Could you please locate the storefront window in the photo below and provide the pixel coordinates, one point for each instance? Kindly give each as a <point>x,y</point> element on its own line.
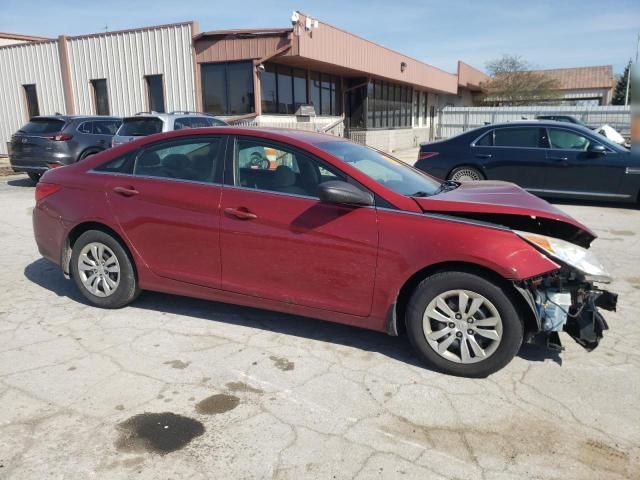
<point>299,88</point>
<point>390,106</point>
<point>284,89</point>
<point>269,89</point>
<point>227,88</point>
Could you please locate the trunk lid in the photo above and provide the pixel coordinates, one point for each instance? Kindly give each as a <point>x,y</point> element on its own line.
<point>507,204</point>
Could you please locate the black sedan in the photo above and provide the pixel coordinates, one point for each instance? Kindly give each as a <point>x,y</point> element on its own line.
<point>550,159</point>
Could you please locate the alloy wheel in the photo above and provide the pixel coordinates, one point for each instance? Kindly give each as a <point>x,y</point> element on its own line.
<point>99,269</point>
<point>465,175</point>
<point>462,326</point>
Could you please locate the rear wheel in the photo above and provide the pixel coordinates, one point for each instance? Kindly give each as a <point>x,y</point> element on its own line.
<point>103,271</point>
<point>463,324</point>
<point>465,174</point>
<point>35,177</point>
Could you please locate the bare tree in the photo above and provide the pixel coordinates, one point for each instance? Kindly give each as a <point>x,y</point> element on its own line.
<point>514,83</point>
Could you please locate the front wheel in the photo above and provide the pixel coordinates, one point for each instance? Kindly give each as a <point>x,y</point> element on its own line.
<point>463,324</point>
<point>103,271</point>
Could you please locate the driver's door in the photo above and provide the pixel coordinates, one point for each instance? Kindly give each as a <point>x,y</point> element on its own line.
<point>572,169</point>
<point>279,242</point>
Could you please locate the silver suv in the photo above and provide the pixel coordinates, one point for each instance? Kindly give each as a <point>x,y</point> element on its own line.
<point>148,123</point>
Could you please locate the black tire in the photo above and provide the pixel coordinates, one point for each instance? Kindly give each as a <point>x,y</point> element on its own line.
<point>35,177</point>
<point>437,284</point>
<point>127,289</point>
<point>88,153</point>
<point>470,173</point>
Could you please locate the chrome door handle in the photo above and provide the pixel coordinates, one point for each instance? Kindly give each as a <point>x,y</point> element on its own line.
<point>241,214</point>
<point>483,155</point>
<point>559,159</point>
<point>126,191</point>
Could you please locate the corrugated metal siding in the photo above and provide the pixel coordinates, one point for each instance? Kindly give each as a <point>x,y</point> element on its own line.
<point>124,58</point>
<point>334,46</point>
<point>233,48</point>
<point>23,64</point>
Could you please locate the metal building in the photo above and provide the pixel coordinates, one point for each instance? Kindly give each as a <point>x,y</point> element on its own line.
<point>109,73</point>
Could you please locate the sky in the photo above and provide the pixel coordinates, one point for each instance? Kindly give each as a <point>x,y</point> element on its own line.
<point>546,33</point>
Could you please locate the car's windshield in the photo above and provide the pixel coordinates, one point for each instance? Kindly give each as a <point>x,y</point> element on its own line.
<point>140,126</point>
<point>384,169</point>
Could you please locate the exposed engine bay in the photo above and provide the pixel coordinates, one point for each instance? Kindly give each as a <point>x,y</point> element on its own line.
<point>565,302</point>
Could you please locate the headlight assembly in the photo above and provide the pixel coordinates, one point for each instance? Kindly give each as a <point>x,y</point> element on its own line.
<point>577,257</point>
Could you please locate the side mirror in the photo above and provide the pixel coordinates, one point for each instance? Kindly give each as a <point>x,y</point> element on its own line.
<point>595,149</point>
<point>343,193</point>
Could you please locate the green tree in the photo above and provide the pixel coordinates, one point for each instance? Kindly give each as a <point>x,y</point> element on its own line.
<point>514,83</point>
<point>620,91</point>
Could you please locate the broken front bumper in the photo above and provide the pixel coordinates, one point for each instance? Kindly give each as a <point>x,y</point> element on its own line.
<point>567,305</point>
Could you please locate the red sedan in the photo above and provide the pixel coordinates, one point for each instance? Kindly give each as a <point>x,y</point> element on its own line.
<point>335,231</point>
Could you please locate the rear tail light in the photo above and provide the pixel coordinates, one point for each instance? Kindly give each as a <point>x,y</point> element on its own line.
<point>43,190</point>
<point>425,155</point>
<point>54,165</point>
<point>60,137</point>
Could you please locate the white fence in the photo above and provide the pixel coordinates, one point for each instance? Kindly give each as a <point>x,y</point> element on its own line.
<point>455,120</point>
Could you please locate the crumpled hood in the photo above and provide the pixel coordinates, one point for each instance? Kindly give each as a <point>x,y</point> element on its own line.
<point>507,204</point>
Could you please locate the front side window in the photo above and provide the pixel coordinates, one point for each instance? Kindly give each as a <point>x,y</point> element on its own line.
<point>193,160</point>
<point>265,166</point>
<point>100,96</point>
<point>106,127</point>
<point>386,170</point>
<point>31,95</point>
<point>524,137</point>
<point>567,140</point>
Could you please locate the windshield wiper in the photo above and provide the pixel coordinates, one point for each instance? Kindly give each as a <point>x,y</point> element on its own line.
<point>446,186</point>
<point>419,194</point>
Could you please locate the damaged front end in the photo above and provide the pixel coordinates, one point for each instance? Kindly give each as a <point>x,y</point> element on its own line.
<point>563,301</point>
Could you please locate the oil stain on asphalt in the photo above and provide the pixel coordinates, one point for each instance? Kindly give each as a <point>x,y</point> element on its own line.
<point>216,404</point>
<point>282,363</point>
<point>160,433</point>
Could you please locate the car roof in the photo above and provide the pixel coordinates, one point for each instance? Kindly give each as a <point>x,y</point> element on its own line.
<point>67,118</point>
<point>165,115</point>
<point>531,123</point>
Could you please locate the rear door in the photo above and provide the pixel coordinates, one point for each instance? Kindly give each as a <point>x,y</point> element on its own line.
<point>514,154</point>
<point>169,207</point>
<point>574,170</point>
<point>280,243</point>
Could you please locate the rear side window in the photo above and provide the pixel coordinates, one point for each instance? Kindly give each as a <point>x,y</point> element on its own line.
<point>196,160</point>
<point>86,127</point>
<point>123,164</point>
<point>486,140</point>
<point>180,123</point>
<point>43,125</point>
<point>140,126</point>
<point>524,137</point>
